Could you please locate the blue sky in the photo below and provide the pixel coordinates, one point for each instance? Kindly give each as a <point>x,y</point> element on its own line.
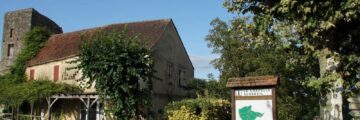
<point>191,17</point>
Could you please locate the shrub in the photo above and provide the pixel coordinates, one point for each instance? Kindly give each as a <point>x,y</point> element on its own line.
<point>199,109</point>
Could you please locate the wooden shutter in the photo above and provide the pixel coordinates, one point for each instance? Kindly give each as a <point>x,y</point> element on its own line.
<point>56,72</point>
<point>32,73</point>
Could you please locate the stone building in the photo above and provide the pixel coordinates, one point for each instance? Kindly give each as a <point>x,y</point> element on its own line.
<point>172,66</point>
<point>16,25</point>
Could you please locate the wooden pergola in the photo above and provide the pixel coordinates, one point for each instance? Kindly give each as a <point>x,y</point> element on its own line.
<point>84,98</point>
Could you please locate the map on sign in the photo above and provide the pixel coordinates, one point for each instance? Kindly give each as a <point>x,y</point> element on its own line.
<point>247,114</point>
<point>253,110</point>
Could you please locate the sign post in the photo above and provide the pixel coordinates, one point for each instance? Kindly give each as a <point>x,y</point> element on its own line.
<point>253,97</point>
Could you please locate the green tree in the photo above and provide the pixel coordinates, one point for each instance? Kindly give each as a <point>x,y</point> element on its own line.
<point>328,28</point>
<point>209,88</point>
<point>247,51</point>
<point>121,69</point>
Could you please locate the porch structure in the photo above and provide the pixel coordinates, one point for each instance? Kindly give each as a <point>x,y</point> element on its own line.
<point>88,101</point>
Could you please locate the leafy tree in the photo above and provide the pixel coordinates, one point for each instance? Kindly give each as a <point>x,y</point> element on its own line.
<point>328,28</point>
<point>210,88</point>
<point>120,68</point>
<point>247,51</point>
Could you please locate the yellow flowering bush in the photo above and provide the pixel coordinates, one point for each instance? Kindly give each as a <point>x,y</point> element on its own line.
<point>199,109</point>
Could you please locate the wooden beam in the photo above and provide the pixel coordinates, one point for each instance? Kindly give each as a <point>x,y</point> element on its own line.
<point>63,96</point>
<point>93,102</point>
<point>82,100</point>
<point>50,104</point>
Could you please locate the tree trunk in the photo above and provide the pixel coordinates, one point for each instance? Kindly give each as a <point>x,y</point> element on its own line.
<point>331,103</point>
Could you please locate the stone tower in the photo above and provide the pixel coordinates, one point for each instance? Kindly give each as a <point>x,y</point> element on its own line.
<point>16,25</point>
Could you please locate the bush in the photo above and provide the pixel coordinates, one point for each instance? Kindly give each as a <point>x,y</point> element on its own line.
<point>199,109</point>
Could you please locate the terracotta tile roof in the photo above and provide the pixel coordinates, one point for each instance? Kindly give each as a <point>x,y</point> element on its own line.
<point>252,81</point>
<point>65,45</point>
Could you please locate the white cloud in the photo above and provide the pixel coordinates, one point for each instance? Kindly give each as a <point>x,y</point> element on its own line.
<point>202,65</point>
<point>202,62</point>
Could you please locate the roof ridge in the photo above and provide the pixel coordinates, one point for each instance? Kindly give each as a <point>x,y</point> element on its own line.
<point>107,25</point>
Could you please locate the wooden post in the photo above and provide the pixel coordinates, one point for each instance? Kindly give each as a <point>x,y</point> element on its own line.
<point>98,112</point>
<point>48,108</point>
<point>50,104</point>
<point>87,105</point>
<point>42,111</point>
<point>87,109</point>
<point>32,110</point>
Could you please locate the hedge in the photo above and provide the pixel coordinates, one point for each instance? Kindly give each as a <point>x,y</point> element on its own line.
<point>198,109</point>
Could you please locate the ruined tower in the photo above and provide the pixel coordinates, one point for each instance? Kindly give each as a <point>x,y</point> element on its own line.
<point>16,25</point>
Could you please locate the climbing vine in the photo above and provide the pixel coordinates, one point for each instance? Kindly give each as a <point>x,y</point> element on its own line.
<point>121,69</point>
<point>14,90</point>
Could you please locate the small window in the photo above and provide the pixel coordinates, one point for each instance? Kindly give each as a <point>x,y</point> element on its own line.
<point>10,52</point>
<point>181,77</point>
<point>32,74</point>
<point>11,32</point>
<point>169,69</point>
<point>56,73</point>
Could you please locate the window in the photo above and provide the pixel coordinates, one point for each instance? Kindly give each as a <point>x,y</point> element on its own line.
<point>32,74</point>
<point>10,52</point>
<point>169,69</point>
<point>56,73</point>
<point>11,32</point>
<point>181,77</point>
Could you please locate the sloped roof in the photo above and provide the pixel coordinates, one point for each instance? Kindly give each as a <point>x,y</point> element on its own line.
<point>65,45</point>
<point>252,81</point>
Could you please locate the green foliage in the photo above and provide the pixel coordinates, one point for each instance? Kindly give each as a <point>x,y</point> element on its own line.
<point>199,109</point>
<point>320,25</point>
<point>15,94</point>
<point>121,69</point>
<point>13,88</point>
<point>323,82</point>
<point>34,40</point>
<point>247,50</point>
<point>208,88</point>
<point>332,25</point>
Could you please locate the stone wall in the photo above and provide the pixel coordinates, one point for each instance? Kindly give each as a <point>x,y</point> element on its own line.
<point>16,25</point>
<point>170,58</point>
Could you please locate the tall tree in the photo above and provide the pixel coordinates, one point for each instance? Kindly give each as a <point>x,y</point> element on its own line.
<point>328,28</point>
<point>246,50</point>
